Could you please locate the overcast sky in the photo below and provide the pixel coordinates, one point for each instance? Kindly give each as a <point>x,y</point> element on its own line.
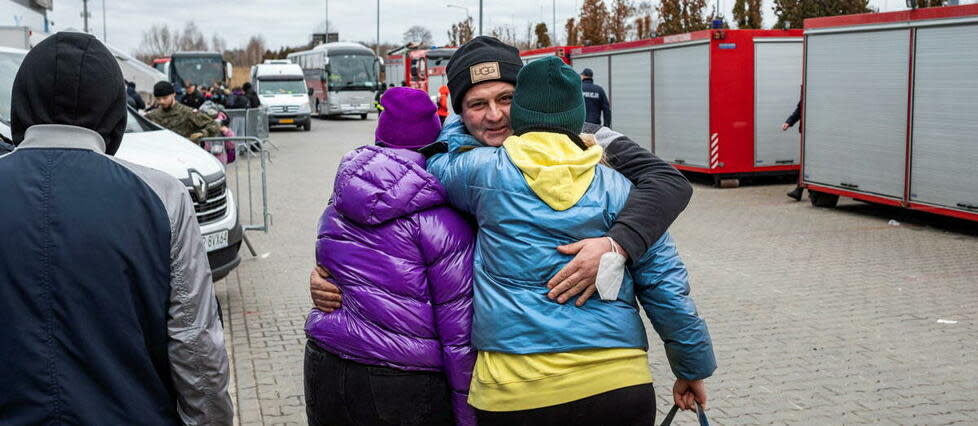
<point>290,22</point>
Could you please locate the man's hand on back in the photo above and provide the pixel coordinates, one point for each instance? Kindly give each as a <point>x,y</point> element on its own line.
<point>326,296</point>
<point>578,276</point>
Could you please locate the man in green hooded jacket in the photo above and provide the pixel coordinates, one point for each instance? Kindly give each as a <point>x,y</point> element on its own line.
<point>179,118</point>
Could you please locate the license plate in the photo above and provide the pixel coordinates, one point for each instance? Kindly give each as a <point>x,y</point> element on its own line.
<point>217,240</point>
<point>286,121</point>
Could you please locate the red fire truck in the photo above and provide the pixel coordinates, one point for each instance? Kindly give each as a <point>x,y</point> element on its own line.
<point>422,69</point>
<point>709,102</point>
<point>562,52</point>
<point>889,109</point>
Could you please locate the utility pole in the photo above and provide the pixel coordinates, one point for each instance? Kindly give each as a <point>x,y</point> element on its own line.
<point>480,17</point>
<point>85,14</point>
<point>327,20</point>
<point>105,37</point>
<point>378,28</point>
<point>553,29</point>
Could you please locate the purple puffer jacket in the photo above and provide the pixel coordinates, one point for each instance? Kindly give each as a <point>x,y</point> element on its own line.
<point>403,260</point>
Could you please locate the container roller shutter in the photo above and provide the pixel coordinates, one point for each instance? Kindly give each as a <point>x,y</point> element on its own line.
<point>856,101</point>
<point>631,108</point>
<point>682,110</point>
<point>777,89</point>
<point>944,167</point>
<point>598,64</point>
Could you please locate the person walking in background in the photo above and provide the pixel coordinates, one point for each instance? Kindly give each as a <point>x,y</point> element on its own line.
<point>595,100</point>
<point>106,297</point>
<point>137,101</point>
<point>180,118</point>
<point>192,97</point>
<point>398,353</point>
<point>251,95</point>
<point>443,103</point>
<point>788,123</point>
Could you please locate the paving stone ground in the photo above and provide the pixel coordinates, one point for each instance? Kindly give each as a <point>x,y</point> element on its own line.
<point>818,316</point>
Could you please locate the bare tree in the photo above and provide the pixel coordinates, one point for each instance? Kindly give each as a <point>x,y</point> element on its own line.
<point>254,50</point>
<point>418,34</point>
<point>192,38</point>
<point>218,44</point>
<point>158,41</point>
<point>461,32</point>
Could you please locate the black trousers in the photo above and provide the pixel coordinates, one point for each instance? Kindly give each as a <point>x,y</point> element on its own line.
<point>340,392</point>
<point>631,406</point>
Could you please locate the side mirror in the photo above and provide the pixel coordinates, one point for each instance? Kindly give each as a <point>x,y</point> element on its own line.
<point>228,70</point>
<point>310,91</point>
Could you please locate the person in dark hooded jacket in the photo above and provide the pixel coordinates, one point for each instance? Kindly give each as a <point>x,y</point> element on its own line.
<point>106,300</point>
<point>137,101</point>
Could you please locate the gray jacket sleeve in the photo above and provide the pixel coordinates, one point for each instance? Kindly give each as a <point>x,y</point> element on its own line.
<point>198,358</point>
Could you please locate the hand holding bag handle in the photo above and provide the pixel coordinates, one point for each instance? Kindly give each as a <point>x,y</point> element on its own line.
<point>700,415</point>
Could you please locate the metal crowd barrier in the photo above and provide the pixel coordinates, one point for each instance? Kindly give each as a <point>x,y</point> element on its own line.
<point>247,175</point>
<point>251,122</point>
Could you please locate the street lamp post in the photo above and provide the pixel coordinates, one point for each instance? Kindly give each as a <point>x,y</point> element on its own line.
<point>378,28</point>
<point>480,17</point>
<point>85,15</point>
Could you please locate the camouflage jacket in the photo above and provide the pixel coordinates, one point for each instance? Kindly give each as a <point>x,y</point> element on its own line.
<point>185,122</point>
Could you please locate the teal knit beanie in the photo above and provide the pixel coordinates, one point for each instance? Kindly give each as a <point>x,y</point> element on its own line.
<point>548,97</point>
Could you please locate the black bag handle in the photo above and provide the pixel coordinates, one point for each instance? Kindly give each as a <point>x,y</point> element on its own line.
<point>700,415</point>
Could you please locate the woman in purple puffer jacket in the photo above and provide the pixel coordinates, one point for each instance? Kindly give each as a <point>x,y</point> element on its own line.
<point>397,352</point>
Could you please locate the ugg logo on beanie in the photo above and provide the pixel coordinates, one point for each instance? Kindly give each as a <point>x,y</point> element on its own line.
<point>484,71</point>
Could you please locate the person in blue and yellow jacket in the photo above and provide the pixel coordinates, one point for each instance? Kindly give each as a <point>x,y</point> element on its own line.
<point>541,362</point>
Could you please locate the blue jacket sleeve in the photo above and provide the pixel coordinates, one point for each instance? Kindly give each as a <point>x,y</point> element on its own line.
<point>662,287</point>
<point>459,172</point>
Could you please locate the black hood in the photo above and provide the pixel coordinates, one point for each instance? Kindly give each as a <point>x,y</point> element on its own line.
<point>70,78</point>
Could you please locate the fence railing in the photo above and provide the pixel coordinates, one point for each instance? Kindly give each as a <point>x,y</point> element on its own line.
<point>247,174</point>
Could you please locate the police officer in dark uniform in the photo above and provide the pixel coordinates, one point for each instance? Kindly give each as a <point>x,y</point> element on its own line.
<point>595,100</point>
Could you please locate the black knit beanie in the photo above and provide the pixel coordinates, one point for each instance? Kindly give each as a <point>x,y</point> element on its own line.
<point>480,60</point>
<point>548,97</point>
<point>163,88</point>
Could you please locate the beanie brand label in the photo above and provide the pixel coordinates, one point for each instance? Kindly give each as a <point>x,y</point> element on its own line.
<point>484,71</point>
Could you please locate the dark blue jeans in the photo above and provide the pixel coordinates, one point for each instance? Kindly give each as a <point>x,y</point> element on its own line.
<point>340,392</point>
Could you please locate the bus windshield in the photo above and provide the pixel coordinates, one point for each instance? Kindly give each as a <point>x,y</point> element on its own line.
<point>352,72</point>
<point>199,70</point>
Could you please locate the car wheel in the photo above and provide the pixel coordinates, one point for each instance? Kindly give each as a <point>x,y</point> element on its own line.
<point>363,116</point>
<point>307,126</point>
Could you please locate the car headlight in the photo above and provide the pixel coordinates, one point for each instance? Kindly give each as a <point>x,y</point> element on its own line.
<point>304,108</point>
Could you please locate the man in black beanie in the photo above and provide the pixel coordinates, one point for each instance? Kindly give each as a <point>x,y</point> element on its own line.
<point>482,80</point>
<point>179,118</point>
<point>106,300</point>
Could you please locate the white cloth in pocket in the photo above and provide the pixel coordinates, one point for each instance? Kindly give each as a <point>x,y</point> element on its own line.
<point>611,272</point>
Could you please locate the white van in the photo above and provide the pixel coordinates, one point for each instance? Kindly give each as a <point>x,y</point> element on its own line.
<point>283,89</point>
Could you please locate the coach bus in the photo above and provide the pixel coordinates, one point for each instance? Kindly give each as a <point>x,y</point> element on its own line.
<point>344,77</point>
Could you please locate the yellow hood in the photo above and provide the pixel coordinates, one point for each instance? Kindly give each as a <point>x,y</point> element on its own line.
<point>554,166</point>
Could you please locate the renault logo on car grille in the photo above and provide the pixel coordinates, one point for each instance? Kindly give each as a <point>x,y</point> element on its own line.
<point>200,186</point>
